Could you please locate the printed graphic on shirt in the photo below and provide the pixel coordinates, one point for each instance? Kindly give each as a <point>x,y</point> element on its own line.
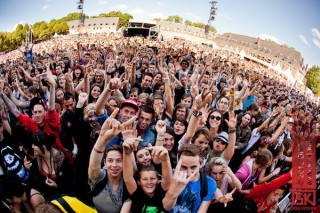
<point>186,201</point>
<point>150,209</point>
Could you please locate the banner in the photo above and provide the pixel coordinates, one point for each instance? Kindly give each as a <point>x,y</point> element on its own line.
<point>304,172</point>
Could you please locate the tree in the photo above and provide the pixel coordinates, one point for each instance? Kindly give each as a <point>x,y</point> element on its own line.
<point>123,17</point>
<point>188,22</point>
<point>313,79</point>
<point>175,18</point>
<point>156,19</point>
<point>199,25</point>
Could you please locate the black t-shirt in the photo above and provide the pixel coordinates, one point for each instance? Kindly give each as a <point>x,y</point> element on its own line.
<point>143,203</point>
<point>147,90</point>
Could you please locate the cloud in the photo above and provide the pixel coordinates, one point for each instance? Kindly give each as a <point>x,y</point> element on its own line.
<point>197,18</point>
<point>316,42</point>
<point>303,39</point>
<point>160,3</point>
<point>269,37</point>
<point>119,7</point>
<point>225,17</point>
<point>45,7</point>
<point>156,15</point>
<point>103,2</point>
<point>136,11</point>
<point>316,37</point>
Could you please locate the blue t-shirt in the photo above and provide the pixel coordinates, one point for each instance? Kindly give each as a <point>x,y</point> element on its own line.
<point>190,200</point>
<point>250,99</point>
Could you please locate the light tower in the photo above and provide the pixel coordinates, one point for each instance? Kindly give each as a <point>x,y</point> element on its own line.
<point>212,16</point>
<point>80,8</point>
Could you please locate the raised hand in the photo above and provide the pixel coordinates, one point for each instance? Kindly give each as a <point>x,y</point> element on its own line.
<point>158,152</point>
<point>48,77</point>
<point>198,101</point>
<point>131,144</point>
<point>111,127</point>
<point>130,131</point>
<point>115,83</point>
<point>180,180</point>
<point>82,97</point>
<point>232,122</point>
<point>161,127</point>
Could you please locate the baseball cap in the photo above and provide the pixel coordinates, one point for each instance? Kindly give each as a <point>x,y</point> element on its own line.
<point>223,136</point>
<point>130,103</point>
<point>223,80</point>
<point>265,104</point>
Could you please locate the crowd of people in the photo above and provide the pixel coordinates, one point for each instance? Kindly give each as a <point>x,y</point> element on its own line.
<point>103,123</point>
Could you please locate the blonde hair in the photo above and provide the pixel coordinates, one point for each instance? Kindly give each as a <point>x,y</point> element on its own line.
<point>89,108</point>
<point>216,161</point>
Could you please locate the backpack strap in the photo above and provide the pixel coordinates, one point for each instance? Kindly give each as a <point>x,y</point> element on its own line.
<point>204,185</point>
<point>99,187</point>
<point>65,205</point>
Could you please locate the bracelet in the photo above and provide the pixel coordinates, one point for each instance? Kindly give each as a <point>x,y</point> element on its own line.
<point>231,95</point>
<point>160,138</point>
<point>110,73</point>
<point>232,130</point>
<point>165,78</point>
<point>196,113</point>
<point>100,152</point>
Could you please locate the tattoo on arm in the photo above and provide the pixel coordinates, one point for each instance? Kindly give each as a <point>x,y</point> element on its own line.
<point>12,107</point>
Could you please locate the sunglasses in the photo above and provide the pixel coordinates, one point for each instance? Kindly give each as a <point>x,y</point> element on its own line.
<point>218,118</point>
<point>220,141</point>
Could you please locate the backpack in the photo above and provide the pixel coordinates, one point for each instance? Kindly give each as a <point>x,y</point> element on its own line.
<point>203,185</point>
<point>102,184</point>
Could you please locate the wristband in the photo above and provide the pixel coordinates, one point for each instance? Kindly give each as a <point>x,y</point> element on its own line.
<point>231,95</point>
<point>232,130</point>
<point>160,138</point>
<point>97,151</point>
<point>196,113</point>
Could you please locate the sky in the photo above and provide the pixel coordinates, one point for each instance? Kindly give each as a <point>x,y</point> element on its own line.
<point>295,23</point>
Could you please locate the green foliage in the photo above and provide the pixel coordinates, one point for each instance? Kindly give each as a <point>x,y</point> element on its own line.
<point>40,30</point>
<point>313,79</point>
<point>123,17</point>
<point>156,19</point>
<point>175,18</point>
<point>199,25</point>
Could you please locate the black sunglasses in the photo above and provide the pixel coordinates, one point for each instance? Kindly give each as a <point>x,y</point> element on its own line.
<point>220,141</point>
<point>218,118</point>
